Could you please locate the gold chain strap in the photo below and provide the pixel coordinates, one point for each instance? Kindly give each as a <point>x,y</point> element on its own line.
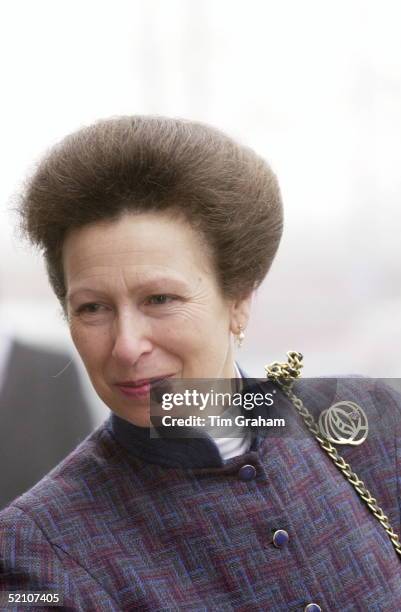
<point>285,374</point>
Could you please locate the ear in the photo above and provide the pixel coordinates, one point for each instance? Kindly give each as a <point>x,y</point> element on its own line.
<point>240,312</point>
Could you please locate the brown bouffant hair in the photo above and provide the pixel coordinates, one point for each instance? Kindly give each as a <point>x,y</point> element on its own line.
<point>147,164</point>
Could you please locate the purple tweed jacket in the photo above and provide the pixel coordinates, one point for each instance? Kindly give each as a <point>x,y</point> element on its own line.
<point>131,523</point>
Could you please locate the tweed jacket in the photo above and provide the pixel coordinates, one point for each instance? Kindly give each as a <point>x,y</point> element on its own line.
<point>131,523</point>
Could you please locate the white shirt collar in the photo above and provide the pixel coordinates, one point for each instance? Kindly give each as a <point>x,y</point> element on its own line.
<point>231,447</point>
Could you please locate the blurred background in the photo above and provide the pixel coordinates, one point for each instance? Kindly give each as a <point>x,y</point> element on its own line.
<point>313,86</point>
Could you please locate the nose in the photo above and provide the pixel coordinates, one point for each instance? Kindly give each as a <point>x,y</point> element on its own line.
<point>132,339</point>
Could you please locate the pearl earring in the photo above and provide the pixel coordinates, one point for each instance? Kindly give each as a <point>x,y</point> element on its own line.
<point>239,338</point>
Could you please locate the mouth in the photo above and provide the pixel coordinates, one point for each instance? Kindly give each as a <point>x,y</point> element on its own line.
<point>140,388</point>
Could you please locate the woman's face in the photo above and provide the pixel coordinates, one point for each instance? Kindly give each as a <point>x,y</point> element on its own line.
<point>143,303</point>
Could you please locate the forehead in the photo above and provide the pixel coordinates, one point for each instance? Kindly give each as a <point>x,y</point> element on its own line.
<point>142,243</point>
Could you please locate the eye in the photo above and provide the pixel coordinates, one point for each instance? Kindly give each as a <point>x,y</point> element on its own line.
<point>160,299</point>
<point>90,308</point>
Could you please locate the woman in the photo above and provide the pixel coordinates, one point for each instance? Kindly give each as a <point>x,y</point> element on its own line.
<point>155,233</point>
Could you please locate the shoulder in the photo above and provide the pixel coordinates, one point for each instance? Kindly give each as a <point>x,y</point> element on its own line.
<point>377,461</point>
<point>58,498</point>
<point>379,398</point>
<point>81,486</point>
<point>43,532</point>
<point>50,537</point>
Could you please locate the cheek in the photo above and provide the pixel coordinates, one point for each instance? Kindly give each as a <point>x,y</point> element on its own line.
<point>177,340</point>
<point>91,344</point>
<point>193,336</point>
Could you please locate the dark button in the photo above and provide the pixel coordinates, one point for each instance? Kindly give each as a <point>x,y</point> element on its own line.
<point>247,472</point>
<point>312,607</point>
<point>280,538</point>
